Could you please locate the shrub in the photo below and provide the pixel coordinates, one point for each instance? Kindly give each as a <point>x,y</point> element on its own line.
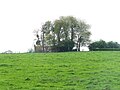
<point>106,49</point>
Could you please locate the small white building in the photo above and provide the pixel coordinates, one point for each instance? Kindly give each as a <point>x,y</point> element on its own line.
<point>83,48</point>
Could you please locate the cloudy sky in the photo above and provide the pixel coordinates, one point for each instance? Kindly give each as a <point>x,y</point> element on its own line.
<point>19,18</point>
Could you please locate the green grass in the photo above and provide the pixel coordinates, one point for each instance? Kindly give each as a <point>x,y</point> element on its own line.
<point>60,71</point>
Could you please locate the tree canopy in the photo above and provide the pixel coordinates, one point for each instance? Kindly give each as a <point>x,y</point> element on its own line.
<point>64,33</point>
<point>101,44</point>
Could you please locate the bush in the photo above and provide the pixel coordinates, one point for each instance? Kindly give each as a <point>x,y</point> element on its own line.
<point>63,46</point>
<point>106,49</point>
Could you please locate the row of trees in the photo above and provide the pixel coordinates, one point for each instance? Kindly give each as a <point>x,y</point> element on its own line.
<point>63,34</point>
<point>101,44</point>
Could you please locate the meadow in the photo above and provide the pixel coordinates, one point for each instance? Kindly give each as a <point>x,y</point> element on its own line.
<point>60,71</point>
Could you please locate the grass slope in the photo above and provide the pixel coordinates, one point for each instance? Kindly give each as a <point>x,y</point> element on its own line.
<point>60,71</point>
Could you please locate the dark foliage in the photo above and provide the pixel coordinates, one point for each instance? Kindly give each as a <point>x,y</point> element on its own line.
<point>104,46</point>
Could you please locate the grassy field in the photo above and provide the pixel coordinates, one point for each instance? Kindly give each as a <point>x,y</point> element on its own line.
<point>60,71</point>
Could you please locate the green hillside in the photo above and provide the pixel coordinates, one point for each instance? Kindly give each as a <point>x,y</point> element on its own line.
<point>60,71</point>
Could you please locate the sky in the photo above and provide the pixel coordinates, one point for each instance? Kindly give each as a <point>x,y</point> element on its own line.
<point>19,18</point>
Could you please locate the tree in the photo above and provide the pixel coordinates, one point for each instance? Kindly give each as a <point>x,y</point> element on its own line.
<point>78,30</point>
<point>36,32</point>
<point>98,44</point>
<point>65,28</point>
<point>64,33</point>
<point>72,21</point>
<point>101,44</point>
<point>82,34</point>
<point>112,44</point>
<point>57,30</point>
<point>45,31</point>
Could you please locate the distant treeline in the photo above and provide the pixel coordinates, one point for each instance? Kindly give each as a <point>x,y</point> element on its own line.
<point>102,45</point>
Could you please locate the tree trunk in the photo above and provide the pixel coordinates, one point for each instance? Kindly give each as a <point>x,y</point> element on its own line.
<point>72,33</point>
<point>79,46</point>
<point>43,42</point>
<point>58,37</point>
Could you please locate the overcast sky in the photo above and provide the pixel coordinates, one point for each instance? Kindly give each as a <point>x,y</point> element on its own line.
<point>19,18</point>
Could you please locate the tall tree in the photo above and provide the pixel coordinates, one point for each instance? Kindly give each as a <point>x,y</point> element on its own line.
<point>45,31</point>
<point>57,30</point>
<point>65,28</point>
<point>63,33</point>
<point>72,25</point>
<point>36,32</point>
<point>82,34</point>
